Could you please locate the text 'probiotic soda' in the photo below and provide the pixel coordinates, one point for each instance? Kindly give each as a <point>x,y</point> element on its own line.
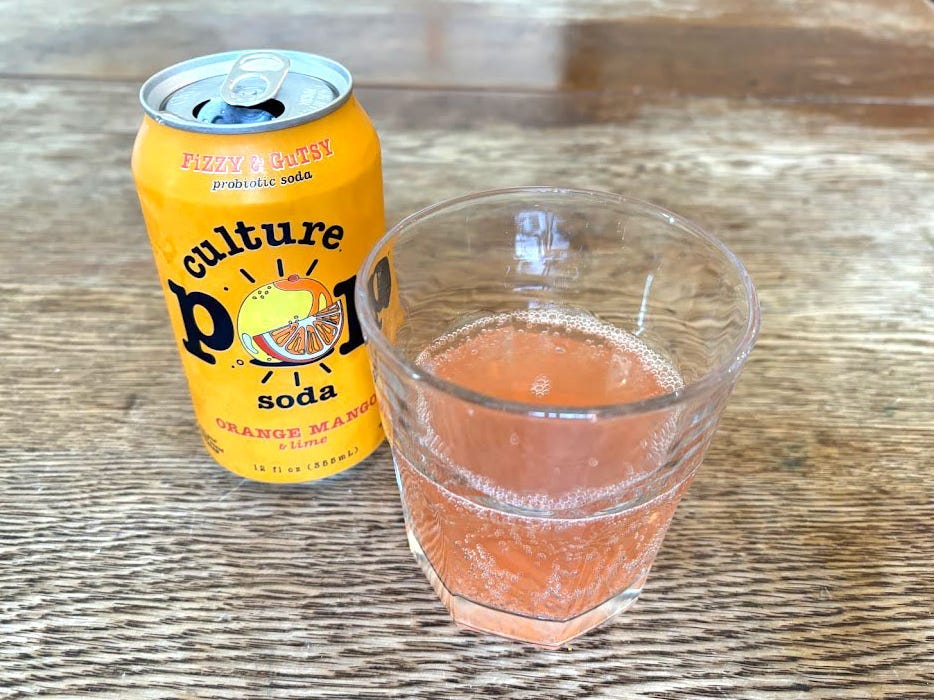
<point>260,183</point>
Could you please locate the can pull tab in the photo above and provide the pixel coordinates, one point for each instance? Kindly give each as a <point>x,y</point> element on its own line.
<point>254,78</point>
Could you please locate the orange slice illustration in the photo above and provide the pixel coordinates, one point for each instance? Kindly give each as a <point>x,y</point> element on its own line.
<point>304,340</point>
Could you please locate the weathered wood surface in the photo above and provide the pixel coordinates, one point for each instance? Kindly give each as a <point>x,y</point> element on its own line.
<point>790,49</point>
<point>799,566</point>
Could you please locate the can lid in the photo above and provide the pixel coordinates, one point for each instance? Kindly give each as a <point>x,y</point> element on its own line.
<point>240,92</point>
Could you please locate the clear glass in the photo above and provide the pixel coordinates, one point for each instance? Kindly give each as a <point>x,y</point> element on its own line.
<point>550,365</point>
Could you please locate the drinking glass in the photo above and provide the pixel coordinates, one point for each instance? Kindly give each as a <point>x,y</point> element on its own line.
<point>550,365</point>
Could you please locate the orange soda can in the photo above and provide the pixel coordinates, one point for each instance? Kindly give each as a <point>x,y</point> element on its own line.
<point>260,182</point>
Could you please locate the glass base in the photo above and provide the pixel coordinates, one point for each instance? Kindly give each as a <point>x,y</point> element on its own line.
<point>548,634</point>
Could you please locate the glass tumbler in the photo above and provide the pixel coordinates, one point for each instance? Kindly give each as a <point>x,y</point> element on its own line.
<point>550,366</point>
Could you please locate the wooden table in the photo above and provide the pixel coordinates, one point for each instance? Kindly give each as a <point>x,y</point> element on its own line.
<point>799,565</point>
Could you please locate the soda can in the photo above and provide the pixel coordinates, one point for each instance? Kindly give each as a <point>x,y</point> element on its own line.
<point>260,183</point>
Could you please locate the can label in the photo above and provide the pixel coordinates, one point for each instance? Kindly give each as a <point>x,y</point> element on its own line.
<point>257,241</point>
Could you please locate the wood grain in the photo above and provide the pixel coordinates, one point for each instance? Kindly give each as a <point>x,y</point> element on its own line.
<point>840,50</point>
<point>799,565</point>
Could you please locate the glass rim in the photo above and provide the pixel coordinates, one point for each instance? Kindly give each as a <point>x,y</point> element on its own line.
<point>730,366</point>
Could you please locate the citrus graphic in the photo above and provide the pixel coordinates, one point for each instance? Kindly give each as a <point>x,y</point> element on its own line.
<point>293,320</point>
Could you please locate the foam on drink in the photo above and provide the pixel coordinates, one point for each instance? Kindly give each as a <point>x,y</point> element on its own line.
<point>555,460</point>
<point>470,354</point>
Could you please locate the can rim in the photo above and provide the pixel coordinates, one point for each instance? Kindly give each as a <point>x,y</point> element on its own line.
<point>154,92</point>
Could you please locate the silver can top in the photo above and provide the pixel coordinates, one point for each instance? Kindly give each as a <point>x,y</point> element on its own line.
<point>240,92</point>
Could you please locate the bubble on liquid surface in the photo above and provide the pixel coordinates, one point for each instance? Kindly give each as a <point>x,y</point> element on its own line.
<point>623,353</point>
<point>598,335</point>
<point>620,367</point>
<point>541,386</point>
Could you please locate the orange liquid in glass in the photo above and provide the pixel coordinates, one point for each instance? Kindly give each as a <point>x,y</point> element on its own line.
<point>515,515</point>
